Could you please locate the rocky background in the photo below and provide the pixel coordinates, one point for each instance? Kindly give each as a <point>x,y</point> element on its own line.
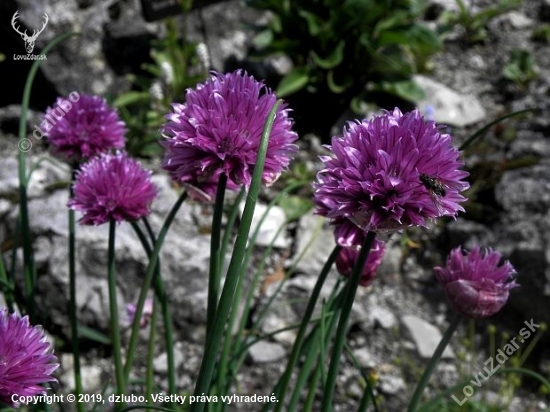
<point>399,320</point>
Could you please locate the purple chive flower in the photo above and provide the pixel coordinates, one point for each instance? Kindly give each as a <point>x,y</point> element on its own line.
<point>145,314</point>
<point>475,285</point>
<point>391,172</point>
<point>218,130</point>
<point>26,358</point>
<point>345,261</point>
<point>112,187</point>
<point>81,127</point>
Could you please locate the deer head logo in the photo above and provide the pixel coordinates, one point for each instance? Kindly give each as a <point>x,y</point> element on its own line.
<point>29,40</point>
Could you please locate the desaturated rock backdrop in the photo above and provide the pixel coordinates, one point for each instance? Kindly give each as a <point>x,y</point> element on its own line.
<point>403,314</point>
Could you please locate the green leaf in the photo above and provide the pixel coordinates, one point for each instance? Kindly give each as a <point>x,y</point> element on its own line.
<point>92,334</point>
<point>263,39</point>
<point>423,39</point>
<point>292,82</point>
<point>520,68</point>
<point>131,98</point>
<point>295,206</point>
<point>406,89</point>
<point>333,60</point>
<point>338,88</point>
<point>395,19</point>
<point>314,23</point>
<point>392,37</point>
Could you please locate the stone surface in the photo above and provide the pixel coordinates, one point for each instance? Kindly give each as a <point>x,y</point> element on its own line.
<point>266,352</point>
<point>270,229</point>
<point>425,336</point>
<point>449,107</point>
<point>159,363</point>
<point>314,243</point>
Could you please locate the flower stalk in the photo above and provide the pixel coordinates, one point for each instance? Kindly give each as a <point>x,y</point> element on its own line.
<point>341,332</point>
<point>213,340</point>
<point>113,311</point>
<point>417,395</point>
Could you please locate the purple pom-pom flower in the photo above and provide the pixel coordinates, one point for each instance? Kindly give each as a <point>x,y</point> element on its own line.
<point>81,127</point>
<point>391,172</point>
<point>26,359</point>
<point>475,285</point>
<point>347,257</point>
<point>112,187</point>
<point>218,130</point>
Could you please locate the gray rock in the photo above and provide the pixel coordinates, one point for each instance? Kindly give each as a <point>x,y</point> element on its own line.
<point>223,24</point>
<point>526,189</point>
<point>391,385</point>
<point>5,207</point>
<point>91,374</point>
<point>449,107</point>
<point>270,229</point>
<point>159,363</point>
<point>266,352</point>
<point>314,243</point>
<point>425,336</point>
<point>272,323</point>
<point>517,20</point>
<point>10,178</point>
<point>365,358</point>
<point>383,317</point>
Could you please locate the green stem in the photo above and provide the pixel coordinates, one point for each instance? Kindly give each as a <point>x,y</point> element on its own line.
<point>237,337</point>
<point>310,398</point>
<point>341,332</point>
<point>113,308</point>
<point>532,344</point>
<point>266,308</point>
<point>315,346</point>
<point>433,363</point>
<point>151,352</point>
<point>147,283</point>
<point>7,287</point>
<point>28,260</point>
<point>250,294</point>
<point>436,401</point>
<point>215,275</point>
<point>151,267</point>
<point>294,355</point>
<point>369,393</point>
<point>213,340</point>
<point>73,313</point>
<point>161,297</point>
<point>488,126</point>
<point>231,223</point>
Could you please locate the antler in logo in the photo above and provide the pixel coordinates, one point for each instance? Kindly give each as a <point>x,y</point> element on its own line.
<point>29,40</point>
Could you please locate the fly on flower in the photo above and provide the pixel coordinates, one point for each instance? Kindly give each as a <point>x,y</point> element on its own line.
<point>435,188</point>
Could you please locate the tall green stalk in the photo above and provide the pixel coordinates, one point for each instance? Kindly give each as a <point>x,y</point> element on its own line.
<point>73,314</point>
<point>147,283</point>
<point>213,340</point>
<point>6,285</point>
<point>294,355</point>
<point>433,363</point>
<point>162,299</point>
<point>151,352</point>
<point>29,269</point>
<point>113,309</point>
<point>349,297</point>
<point>215,274</point>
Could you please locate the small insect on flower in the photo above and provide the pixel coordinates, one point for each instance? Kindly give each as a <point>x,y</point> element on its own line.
<point>435,187</point>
